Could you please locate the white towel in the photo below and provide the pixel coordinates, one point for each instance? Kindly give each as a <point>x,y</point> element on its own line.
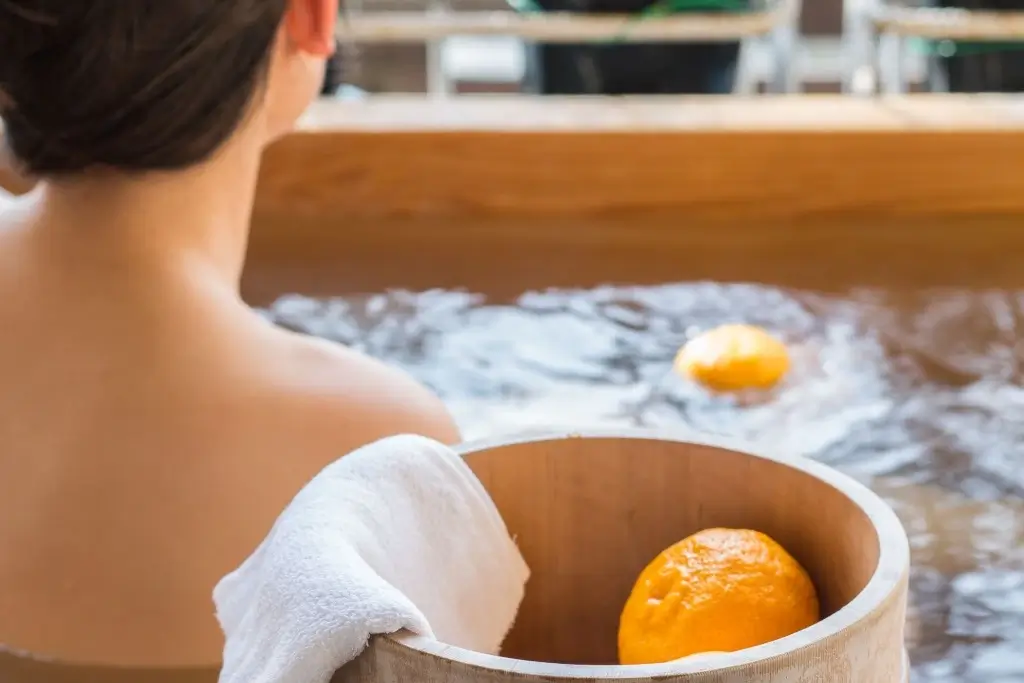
<point>397,535</point>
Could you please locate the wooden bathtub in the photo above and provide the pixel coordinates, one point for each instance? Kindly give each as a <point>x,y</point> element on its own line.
<point>501,194</point>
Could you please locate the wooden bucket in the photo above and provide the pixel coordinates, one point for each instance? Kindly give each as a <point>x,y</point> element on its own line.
<point>590,511</point>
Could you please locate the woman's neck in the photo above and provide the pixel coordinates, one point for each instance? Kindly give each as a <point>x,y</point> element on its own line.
<point>171,222</point>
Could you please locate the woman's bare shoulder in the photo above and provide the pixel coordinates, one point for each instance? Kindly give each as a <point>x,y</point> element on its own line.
<point>353,399</point>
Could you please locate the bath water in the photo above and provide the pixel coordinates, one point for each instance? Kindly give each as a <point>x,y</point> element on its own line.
<point>918,394</point>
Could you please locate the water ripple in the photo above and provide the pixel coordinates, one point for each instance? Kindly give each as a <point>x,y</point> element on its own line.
<point>919,394</point>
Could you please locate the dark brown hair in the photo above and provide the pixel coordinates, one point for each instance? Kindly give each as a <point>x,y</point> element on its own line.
<point>133,85</point>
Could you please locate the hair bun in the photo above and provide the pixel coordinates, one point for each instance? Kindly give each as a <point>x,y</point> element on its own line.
<point>135,85</point>
<point>24,22</point>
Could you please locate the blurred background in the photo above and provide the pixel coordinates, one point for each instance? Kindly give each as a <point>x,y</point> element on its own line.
<point>855,46</point>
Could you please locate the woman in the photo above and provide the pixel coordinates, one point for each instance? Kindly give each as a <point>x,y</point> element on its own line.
<point>153,425</point>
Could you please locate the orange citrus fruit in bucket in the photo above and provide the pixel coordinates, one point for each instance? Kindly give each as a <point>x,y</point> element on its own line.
<point>720,590</point>
<point>733,358</point>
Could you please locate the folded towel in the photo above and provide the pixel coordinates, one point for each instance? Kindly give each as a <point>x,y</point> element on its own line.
<point>397,535</point>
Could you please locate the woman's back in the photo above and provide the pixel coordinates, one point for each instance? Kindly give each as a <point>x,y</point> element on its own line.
<point>152,432</point>
<point>153,426</point>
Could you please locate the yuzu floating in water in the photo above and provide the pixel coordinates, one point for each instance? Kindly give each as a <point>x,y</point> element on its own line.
<point>734,358</point>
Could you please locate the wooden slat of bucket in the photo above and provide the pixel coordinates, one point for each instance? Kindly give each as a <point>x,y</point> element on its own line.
<point>401,27</point>
<point>950,24</point>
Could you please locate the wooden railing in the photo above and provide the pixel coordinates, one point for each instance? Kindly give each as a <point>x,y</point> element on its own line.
<point>948,23</point>
<point>877,32</point>
<point>401,27</point>
<point>776,22</point>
